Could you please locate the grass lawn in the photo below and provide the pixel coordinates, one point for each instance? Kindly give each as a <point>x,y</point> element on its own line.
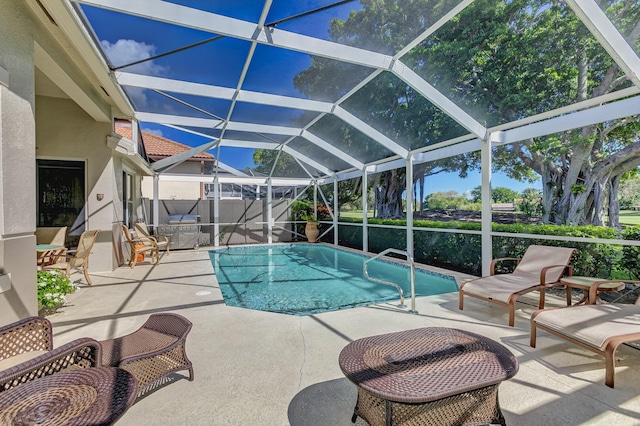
<point>354,214</point>
<point>629,217</point>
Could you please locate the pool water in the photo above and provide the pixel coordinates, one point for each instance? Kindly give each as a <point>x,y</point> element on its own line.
<point>304,279</point>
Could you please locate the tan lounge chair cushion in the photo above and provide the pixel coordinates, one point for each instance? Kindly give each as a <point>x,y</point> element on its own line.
<point>501,287</point>
<point>538,257</point>
<point>592,324</point>
<point>19,359</point>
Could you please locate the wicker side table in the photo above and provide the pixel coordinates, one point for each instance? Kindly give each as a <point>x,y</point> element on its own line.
<point>89,396</point>
<point>427,376</point>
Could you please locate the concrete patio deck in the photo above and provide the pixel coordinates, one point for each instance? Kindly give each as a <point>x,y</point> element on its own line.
<point>262,368</point>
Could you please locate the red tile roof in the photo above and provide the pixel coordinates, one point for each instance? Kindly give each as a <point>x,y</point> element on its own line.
<point>158,147</point>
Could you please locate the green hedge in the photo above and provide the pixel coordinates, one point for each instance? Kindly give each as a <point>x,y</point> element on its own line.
<point>462,252</point>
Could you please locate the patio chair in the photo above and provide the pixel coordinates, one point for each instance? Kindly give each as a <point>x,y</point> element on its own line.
<point>600,328</point>
<point>78,258</point>
<point>54,236</point>
<point>161,240</point>
<point>51,235</point>
<point>140,245</point>
<point>27,353</point>
<point>540,267</point>
<point>152,352</point>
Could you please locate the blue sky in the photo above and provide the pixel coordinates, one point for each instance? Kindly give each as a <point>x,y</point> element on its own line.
<point>450,181</point>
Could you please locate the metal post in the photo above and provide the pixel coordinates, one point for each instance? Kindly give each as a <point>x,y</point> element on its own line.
<point>485,154</point>
<point>156,201</point>
<point>216,211</point>
<point>336,209</point>
<point>315,199</point>
<point>409,184</point>
<point>269,213</point>
<point>365,206</point>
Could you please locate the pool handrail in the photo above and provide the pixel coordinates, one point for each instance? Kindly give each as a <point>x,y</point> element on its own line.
<point>413,275</point>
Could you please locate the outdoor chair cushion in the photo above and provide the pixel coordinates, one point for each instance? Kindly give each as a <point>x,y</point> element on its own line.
<point>592,324</point>
<point>19,359</point>
<point>501,287</point>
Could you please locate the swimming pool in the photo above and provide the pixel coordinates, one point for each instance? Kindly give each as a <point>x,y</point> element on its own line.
<point>304,279</point>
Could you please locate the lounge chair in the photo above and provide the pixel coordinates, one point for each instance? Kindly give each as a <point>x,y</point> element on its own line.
<point>600,328</point>
<point>78,258</point>
<point>153,351</point>
<point>138,245</point>
<point>27,353</point>
<point>161,240</point>
<point>539,268</point>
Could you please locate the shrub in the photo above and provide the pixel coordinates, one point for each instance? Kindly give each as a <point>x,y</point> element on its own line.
<point>462,252</point>
<point>53,286</point>
<point>631,254</point>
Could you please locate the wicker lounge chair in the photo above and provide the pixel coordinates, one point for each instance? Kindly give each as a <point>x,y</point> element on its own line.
<point>76,259</point>
<point>138,245</point>
<point>27,353</point>
<point>540,267</point>
<point>600,328</point>
<point>152,352</point>
<point>161,240</point>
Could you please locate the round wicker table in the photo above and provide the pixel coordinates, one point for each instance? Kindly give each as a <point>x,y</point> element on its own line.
<point>428,376</point>
<point>88,396</point>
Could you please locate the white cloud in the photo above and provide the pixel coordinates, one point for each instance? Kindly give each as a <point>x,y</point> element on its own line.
<point>124,52</point>
<point>156,132</point>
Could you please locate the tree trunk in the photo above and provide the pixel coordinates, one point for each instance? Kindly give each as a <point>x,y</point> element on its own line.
<point>576,215</point>
<point>389,195</point>
<point>550,189</point>
<point>599,197</point>
<point>614,206</point>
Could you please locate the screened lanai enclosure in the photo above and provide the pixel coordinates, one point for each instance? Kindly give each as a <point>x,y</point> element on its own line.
<point>369,102</point>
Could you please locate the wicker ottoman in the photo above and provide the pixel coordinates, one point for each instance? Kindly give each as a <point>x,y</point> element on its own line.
<point>428,376</point>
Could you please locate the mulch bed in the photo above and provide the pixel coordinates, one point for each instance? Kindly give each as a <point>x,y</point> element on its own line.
<point>474,216</point>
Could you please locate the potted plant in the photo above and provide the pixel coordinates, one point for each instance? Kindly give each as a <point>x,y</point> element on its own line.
<point>303,210</point>
<point>53,286</point>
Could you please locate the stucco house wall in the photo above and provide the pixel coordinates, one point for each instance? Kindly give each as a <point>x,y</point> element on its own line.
<point>54,127</point>
<point>168,190</point>
<point>65,132</point>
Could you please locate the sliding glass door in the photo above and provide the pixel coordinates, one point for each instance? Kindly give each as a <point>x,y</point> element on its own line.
<point>61,196</point>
